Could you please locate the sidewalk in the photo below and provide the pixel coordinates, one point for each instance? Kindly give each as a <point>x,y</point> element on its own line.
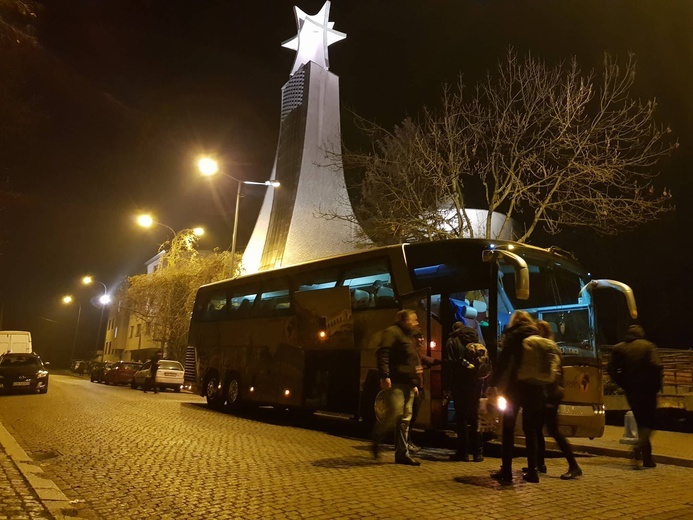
<point>667,447</point>
<point>27,493</point>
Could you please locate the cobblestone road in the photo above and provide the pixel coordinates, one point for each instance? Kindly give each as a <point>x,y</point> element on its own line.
<point>123,454</point>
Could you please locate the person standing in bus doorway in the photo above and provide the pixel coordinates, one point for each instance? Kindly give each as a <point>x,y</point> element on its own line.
<point>150,380</point>
<point>460,379</point>
<point>425,362</point>
<point>398,359</point>
<point>635,367</point>
<point>553,394</point>
<point>517,395</point>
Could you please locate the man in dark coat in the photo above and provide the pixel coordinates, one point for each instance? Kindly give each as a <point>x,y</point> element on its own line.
<point>398,365</point>
<point>461,381</point>
<point>635,367</point>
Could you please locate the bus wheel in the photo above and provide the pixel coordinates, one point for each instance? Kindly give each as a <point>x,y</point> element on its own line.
<point>232,391</point>
<point>212,391</point>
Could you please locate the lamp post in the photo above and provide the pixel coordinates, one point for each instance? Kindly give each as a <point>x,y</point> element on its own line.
<point>209,167</point>
<point>68,300</point>
<point>104,300</point>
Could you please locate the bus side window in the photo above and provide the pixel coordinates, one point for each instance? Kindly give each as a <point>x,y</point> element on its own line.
<point>213,307</point>
<point>360,299</point>
<point>275,299</point>
<point>242,301</point>
<point>370,285</point>
<point>325,278</point>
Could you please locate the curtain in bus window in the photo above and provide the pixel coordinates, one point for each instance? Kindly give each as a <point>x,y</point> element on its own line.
<point>370,285</point>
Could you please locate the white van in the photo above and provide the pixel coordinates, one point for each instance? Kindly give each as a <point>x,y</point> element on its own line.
<point>15,341</point>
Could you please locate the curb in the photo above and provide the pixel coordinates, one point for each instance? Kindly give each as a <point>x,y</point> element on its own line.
<point>623,453</point>
<point>48,493</point>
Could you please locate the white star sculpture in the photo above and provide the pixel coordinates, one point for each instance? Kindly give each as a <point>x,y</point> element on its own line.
<point>315,34</point>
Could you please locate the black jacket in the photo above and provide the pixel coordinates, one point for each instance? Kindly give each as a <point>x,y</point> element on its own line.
<point>505,370</point>
<point>456,371</point>
<point>398,357</point>
<point>635,364</point>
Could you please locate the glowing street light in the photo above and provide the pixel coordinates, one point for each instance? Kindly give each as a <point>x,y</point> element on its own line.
<point>147,221</point>
<point>209,167</point>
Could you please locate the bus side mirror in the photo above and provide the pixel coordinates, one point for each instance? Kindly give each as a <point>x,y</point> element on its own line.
<point>519,266</point>
<point>619,286</point>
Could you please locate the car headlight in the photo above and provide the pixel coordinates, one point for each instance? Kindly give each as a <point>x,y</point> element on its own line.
<point>501,403</point>
<point>42,373</point>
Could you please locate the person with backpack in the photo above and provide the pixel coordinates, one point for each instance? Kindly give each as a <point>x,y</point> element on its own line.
<point>465,365</point>
<point>553,395</point>
<point>635,366</point>
<point>517,395</point>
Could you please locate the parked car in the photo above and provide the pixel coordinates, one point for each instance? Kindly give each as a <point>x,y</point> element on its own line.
<point>98,369</point>
<point>75,364</point>
<point>120,373</point>
<point>169,375</point>
<point>23,372</point>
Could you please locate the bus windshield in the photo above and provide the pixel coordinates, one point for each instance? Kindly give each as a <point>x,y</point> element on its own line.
<point>555,297</point>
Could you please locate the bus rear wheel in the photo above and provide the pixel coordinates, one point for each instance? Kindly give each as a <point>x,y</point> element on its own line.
<point>232,392</point>
<point>213,395</point>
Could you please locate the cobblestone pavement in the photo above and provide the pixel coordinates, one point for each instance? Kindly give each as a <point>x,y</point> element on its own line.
<point>121,454</point>
<point>17,499</point>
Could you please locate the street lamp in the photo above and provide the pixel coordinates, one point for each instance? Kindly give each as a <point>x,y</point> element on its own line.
<point>209,167</point>
<point>67,300</point>
<point>104,300</point>
<point>146,221</point>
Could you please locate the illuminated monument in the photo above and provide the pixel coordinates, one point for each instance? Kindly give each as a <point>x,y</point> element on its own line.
<point>308,164</point>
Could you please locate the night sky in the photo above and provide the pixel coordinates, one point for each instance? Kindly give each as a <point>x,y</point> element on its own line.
<point>130,92</point>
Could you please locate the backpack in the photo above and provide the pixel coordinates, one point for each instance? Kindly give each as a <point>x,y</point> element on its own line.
<point>477,355</point>
<point>541,361</point>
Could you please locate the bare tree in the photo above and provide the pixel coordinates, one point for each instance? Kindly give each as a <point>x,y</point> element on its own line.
<point>17,21</point>
<point>164,299</point>
<point>546,146</point>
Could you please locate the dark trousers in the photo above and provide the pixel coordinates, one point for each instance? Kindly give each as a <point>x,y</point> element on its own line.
<point>644,407</point>
<point>150,382</point>
<point>551,422</point>
<point>531,399</point>
<point>466,401</point>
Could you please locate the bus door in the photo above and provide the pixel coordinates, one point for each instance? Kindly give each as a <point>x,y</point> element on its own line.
<point>324,330</point>
<point>431,408</point>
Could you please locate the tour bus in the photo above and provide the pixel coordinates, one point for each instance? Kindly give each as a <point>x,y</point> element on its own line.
<point>304,337</point>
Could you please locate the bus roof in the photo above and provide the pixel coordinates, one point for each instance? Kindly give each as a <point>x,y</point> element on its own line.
<point>552,252</point>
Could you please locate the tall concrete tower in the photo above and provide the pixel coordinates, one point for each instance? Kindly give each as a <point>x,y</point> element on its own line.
<point>308,163</point>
